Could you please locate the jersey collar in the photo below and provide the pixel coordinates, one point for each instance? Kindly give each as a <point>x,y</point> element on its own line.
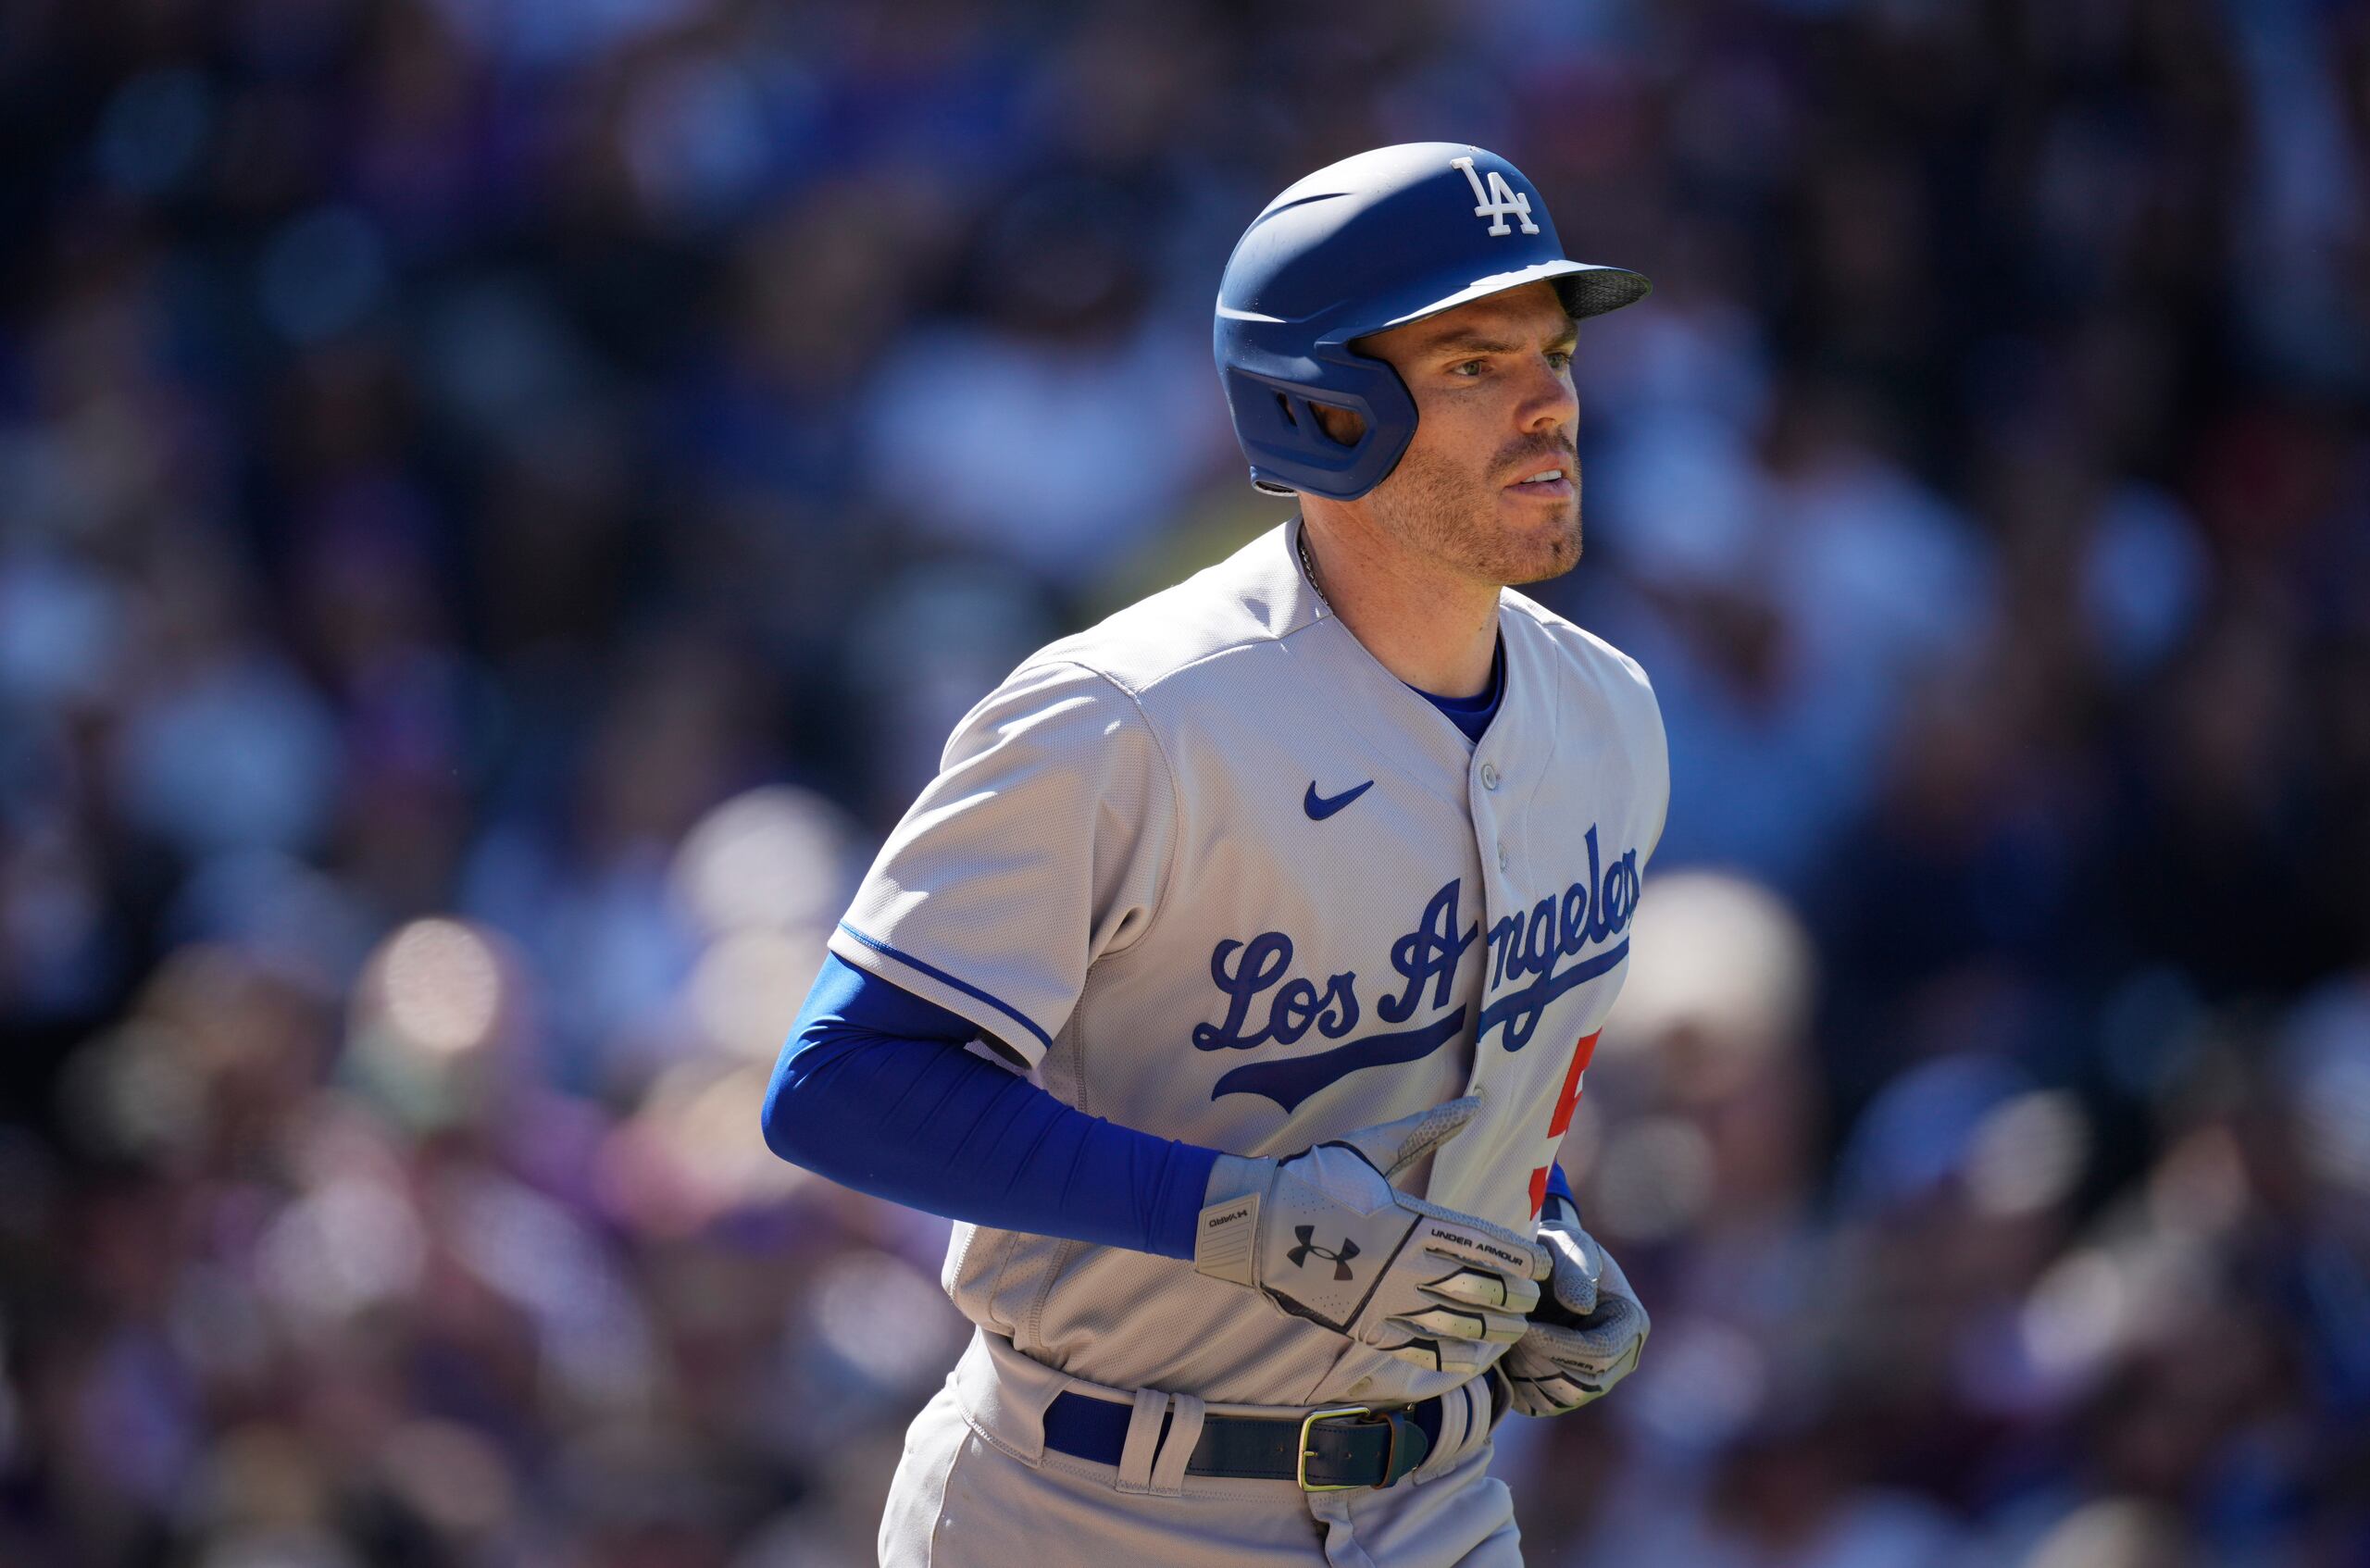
<point>1400,725</point>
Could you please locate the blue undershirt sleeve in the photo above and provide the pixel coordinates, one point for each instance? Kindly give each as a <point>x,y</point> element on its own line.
<point>1559,1204</point>
<point>876,1091</point>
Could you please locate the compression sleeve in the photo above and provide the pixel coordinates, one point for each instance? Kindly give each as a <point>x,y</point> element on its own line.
<point>876,1091</point>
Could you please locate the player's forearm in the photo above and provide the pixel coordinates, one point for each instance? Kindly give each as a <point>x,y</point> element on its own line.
<point>912,1118</point>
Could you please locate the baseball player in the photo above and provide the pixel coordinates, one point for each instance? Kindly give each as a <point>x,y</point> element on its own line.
<point>1233,982</point>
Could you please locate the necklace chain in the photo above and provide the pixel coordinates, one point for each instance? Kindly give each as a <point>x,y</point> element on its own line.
<point>1308,565</point>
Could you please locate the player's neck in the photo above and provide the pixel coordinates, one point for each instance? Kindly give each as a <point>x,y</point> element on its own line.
<point>1434,628</point>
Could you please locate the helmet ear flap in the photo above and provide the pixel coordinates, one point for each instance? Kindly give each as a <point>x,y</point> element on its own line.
<point>1276,419</point>
<point>1298,415</point>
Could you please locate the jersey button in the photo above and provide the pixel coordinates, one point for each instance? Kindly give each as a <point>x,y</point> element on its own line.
<point>1488,776</point>
<point>1502,854</point>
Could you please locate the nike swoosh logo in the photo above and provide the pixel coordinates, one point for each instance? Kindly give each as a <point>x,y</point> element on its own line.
<point>1319,807</point>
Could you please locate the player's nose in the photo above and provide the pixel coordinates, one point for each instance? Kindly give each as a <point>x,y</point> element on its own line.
<point>1549,401</point>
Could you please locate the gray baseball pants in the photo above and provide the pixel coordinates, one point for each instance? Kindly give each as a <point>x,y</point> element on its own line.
<point>978,1488</point>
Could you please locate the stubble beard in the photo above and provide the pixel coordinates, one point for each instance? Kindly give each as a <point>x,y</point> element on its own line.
<point>1451,515</point>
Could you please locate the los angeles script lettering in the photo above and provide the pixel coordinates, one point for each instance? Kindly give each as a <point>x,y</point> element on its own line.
<point>1266,1003</point>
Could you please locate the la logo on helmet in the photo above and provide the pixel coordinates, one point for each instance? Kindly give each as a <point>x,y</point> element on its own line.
<point>1496,200</point>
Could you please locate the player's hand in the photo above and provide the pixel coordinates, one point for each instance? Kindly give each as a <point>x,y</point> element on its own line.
<point>1325,1235</point>
<point>1586,1335</point>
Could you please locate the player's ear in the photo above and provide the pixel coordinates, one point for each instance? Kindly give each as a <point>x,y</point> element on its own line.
<point>1342,425</point>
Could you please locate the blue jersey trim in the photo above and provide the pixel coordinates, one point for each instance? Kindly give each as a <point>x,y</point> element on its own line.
<point>943,979</point>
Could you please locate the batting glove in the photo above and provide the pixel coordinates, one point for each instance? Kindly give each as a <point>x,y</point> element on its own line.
<point>1588,1333</point>
<point>1325,1235</point>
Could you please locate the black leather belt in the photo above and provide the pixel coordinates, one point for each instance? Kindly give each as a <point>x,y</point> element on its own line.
<point>1338,1449</point>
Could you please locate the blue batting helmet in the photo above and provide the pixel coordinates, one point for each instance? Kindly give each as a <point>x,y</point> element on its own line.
<point>1384,238</point>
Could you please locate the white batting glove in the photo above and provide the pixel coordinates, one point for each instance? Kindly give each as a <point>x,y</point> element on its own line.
<point>1588,1332</point>
<point>1325,1235</point>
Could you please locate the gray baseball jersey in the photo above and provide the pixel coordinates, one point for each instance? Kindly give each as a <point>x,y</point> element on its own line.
<point>1213,872</point>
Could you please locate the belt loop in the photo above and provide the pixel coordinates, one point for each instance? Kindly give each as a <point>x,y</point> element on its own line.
<point>1184,1432</point>
<point>1480,1422</point>
<point>1144,1440</point>
<point>1458,1427</point>
<point>1478,1412</point>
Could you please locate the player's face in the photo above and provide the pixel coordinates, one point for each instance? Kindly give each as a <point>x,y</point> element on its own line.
<point>1493,383</point>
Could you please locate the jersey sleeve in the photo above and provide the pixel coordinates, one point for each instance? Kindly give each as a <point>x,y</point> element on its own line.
<point>1042,845</point>
<point>1655,768</point>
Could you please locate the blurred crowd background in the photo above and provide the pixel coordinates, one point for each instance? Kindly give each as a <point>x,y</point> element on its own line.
<point>501,500</point>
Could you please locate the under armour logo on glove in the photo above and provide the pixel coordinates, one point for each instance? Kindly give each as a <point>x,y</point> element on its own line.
<point>1340,1260</point>
<point>1440,1289</point>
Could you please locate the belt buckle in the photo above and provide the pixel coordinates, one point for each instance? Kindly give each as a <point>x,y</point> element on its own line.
<point>1346,1412</point>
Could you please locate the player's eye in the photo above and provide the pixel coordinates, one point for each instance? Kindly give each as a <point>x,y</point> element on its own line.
<point>1560,357</point>
<point>1468,369</point>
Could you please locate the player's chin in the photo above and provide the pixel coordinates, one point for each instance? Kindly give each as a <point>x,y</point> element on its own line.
<point>1537,543</point>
